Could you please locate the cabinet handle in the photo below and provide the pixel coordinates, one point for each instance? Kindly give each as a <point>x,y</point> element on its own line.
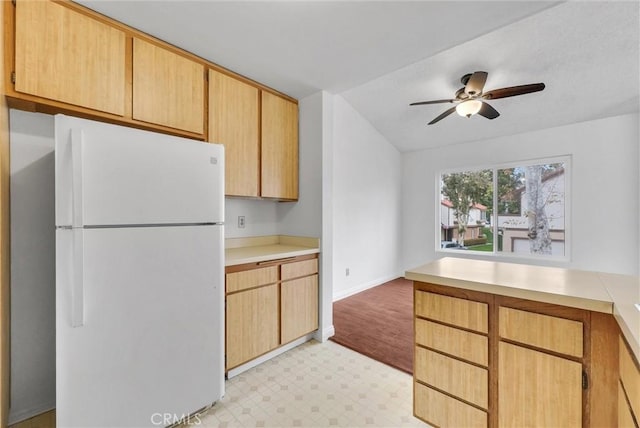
<point>585,380</point>
<point>269,262</point>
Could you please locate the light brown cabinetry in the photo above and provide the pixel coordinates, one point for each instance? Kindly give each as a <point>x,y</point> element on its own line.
<point>451,337</point>
<point>260,133</point>
<point>234,122</point>
<point>628,387</point>
<point>537,389</point>
<point>252,323</point>
<point>268,305</point>
<point>299,308</point>
<point>442,410</point>
<point>168,88</point>
<point>279,147</point>
<point>66,58</point>
<point>488,360</point>
<point>64,55</point>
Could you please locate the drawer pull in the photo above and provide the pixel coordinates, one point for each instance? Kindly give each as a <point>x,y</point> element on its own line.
<point>268,262</point>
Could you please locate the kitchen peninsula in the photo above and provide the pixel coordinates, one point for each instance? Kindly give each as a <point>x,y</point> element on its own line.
<point>502,344</point>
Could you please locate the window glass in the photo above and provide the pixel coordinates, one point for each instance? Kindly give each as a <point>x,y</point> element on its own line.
<point>531,209</point>
<point>466,204</point>
<point>529,201</point>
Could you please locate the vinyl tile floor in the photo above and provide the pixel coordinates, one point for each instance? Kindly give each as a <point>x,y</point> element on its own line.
<point>316,385</point>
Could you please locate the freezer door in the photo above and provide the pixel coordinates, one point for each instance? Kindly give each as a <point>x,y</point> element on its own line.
<point>113,175</point>
<point>150,344</point>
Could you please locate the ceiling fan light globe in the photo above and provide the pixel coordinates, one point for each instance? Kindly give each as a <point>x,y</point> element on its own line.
<point>468,108</point>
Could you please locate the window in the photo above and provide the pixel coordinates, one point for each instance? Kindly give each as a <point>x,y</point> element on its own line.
<point>518,209</point>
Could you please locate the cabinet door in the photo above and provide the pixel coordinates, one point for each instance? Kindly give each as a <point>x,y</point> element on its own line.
<point>234,122</point>
<point>299,307</point>
<point>279,175</point>
<point>252,324</point>
<point>625,417</point>
<point>168,89</point>
<point>66,56</point>
<point>537,389</point>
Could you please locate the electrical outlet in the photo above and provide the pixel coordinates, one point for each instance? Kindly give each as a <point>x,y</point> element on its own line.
<point>346,272</point>
<point>241,222</point>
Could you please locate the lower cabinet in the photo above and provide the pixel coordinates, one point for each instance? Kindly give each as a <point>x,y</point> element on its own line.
<point>299,310</point>
<point>268,305</point>
<point>628,387</point>
<point>537,389</point>
<point>444,411</point>
<point>489,360</point>
<point>252,323</point>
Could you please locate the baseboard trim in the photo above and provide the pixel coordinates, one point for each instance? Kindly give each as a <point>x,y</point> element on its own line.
<point>325,334</point>
<point>359,288</point>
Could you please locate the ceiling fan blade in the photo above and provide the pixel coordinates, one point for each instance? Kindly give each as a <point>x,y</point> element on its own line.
<point>476,83</point>
<point>442,116</point>
<point>487,111</point>
<point>512,91</point>
<point>431,102</point>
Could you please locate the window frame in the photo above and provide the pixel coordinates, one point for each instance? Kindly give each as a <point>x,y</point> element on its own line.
<point>502,255</point>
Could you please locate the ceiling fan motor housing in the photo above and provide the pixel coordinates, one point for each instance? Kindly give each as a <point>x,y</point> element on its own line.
<point>470,99</point>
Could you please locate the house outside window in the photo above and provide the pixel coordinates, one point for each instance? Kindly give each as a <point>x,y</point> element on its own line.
<point>520,209</point>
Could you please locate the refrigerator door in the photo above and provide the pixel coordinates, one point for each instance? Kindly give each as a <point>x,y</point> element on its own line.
<point>150,346</point>
<point>113,175</point>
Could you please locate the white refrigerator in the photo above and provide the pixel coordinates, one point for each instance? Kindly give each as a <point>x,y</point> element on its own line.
<point>139,275</point>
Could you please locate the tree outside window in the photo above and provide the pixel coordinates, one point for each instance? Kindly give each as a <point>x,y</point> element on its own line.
<point>529,206</point>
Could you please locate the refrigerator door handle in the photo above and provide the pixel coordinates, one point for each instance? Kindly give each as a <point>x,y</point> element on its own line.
<point>77,280</point>
<point>77,140</point>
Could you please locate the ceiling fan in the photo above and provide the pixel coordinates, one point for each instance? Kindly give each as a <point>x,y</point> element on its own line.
<point>470,99</point>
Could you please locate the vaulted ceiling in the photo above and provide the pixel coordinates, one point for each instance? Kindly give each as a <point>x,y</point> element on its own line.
<point>381,56</point>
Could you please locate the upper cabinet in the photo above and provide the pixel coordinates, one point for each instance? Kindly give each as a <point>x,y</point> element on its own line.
<point>279,173</point>
<point>168,88</point>
<point>260,133</point>
<point>234,122</point>
<point>64,55</point>
<point>65,58</point>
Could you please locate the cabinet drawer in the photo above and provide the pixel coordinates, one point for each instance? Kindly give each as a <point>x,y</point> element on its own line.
<point>542,331</point>
<point>463,344</point>
<point>298,269</point>
<point>630,377</point>
<point>443,411</point>
<point>243,280</point>
<point>471,383</point>
<point>452,310</point>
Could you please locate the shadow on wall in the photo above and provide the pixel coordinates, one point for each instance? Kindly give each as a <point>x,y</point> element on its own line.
<point>32,265</point>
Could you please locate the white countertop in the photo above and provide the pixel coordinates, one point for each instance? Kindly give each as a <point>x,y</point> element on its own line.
<point>262,248</point>
<point>607,293</point>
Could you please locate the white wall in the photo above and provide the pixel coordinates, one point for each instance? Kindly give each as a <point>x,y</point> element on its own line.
<point>32,265</point>
<point>367,182</point>
<point>604,189</point>
<point>261,217</point>
<point>310,215</point>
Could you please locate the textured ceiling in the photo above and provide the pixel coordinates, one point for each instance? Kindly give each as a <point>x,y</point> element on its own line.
<point>585,52</point>
<point>383,55</point>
